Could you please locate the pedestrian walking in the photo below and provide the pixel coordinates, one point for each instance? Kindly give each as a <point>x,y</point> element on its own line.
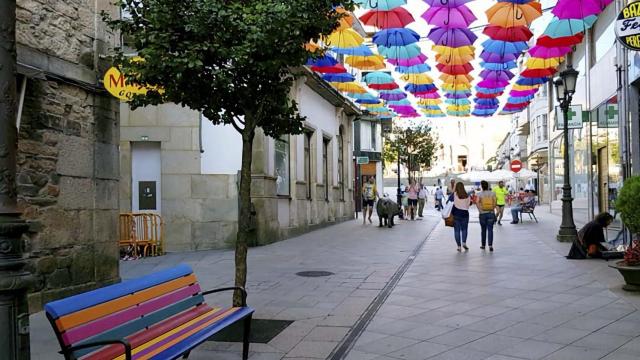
<point>451,188</point>
<point>461,203</point>
<point>422,200</point>
<point>405,202</point>
<point>438,198</point>
<point>486,204</point>
<point>369,196</point>
<point>412,194</point>
<point>501,200</point>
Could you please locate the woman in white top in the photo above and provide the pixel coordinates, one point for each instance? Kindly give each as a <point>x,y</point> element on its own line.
<point>461,203</point>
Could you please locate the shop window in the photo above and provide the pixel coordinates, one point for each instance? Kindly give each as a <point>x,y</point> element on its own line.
<point>283,179</point>
<point>545,127</point>
<point>340,139</point>
<point>325,167</point>
<point>307,161</point>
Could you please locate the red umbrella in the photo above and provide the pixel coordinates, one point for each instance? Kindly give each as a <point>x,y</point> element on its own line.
<point>388,86</point>
<point>547,41</point>
<point>513,34</point>
<point>455,69</point>
<point>537,73</point>
<point>335,69</point>
<point>482,95</point>
<point>395,18</point>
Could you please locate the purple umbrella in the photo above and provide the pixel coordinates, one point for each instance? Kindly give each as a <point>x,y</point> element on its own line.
<point>549,52</point>
<point>446,3</point>
<point>420,59</point>
<point>457,95</point>
<point>392,95</point>
<point>521,93</point>
<point>453,17</point>
<point>579,9</point>
<point>452,37</point>
<point>433,95</point>
<point>497,58</point>
<point>492,83</point>
<point>503,75</point>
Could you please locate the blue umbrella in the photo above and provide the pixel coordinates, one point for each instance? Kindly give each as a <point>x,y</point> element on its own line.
<point>378,77</point>
<point>395,37</point>
<point>504,47</point>
<point>416,69</point>
<point>483,112</point>
<point>492,102</point>
<point>340,77</point>
<point>323,61</point>
<point>457,95</point>
<point>569,27</point>
<point>499,66</point>
<point>399,102</point>
<point>429,107</point>
<point>531,81</point>
<point>520,99</point>
<point>400,52</point>
<point>358,96</point>
<point>384,5</point>
<point>414,88</point>
<point>457,102</point>
<point>361,50</point>
<point>369,101</point>
<point>489,90</point>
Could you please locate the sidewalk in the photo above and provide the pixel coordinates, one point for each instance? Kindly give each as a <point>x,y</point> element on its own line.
<point>525,301</point>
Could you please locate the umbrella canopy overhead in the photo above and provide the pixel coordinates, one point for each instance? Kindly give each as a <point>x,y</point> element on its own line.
<point>415,69</point>
<point>378,77</point>
<point>509,15</point>
<point>396,18</point>
<point>347,38</point>
<point>395,37</point>
<point>372,62</point>
<point>579,9</point>
<point>342,77</point>
<point>569,27</point>
<point>400,52</point>
<point>452,37</point>
<point>452,17</point>
<point>361,50</point>
<point>446,3</point>
<point>381,4</point>
<point>512,34</point>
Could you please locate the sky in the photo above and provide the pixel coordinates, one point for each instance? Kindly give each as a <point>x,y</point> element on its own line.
<point>418,7</point>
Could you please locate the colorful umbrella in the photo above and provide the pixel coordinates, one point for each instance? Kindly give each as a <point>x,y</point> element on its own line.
<point>415,69</point>
<point>326,60</point>
<point>463,79</point>
<point>549,52</point>
<point>548,41</point>
<point>429,102</point>
<point>361,50</point>
<point>395,37</point>
<point>456,87</point>
<point>425,88</point>
<point>512,34</point>
<point>455,69</point>
<point>352,87</point>
<point>458,102</point>
<point>372,62</point>
<point>399,102</point>
<point>347,38</point>
<point>578,9</point>
<point>392,95</point>
<point>532,80</point>
<point>420,59</point>
<point>417,79</point>
<point>369,101</point>
<point>569,27</point>
<point>385,5</point>
<point>395,18</point>
<point>509,15</point>
<point>452,17</point>
<point>343,77</point>
<point>539,63</point>
<point>499,65</point>
<point>504,47</point>
<point>335,69</point>
<point>498,58</point>
<point>500,75</point>
<point>446,3</point>
<point>400,52</point>
<point>389,86</point>
<point>346,21</point>
<point>538,73</point>
<point>452,37</point>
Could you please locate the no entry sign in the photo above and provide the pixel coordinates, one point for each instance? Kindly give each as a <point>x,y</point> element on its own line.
<point>516,166</point>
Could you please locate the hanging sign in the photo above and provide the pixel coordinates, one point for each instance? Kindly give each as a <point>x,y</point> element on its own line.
<point>628,26</point>
<point>117,85</point>
<point>575,117</point>
<point>608,116</point>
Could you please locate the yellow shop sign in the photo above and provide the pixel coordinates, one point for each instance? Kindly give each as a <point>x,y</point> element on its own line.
<point>117,85</point>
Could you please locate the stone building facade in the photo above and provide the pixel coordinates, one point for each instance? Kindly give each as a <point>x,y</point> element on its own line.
<point>68,168</point>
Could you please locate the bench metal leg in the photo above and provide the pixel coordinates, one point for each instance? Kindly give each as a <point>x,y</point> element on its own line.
<point>186,355</point>
<point>534,216</point>
<point>246,338</point>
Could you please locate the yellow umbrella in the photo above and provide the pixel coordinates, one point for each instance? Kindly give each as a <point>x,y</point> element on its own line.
<point>427,102</point>
<point>458,108</point>
<point>455,87</point>
<point>431,112</point>
<point>507,14</point>
<point>352,87</point>
<point>454,60</point>
<point>373,62</point>
<point>418,79</point>
<point>347,38</point>
<point>539,63</point>
<point>525,87</point>
<point>347,20</point>
<point>459,51</point>
<point>459,79</point>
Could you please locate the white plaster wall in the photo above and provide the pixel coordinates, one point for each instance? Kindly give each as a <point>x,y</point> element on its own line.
<point>222,146</point>
<point>603,79</point>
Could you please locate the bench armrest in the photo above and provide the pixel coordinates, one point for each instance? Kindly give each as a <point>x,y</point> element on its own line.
<point>123,342</point>
<point>242,290</point>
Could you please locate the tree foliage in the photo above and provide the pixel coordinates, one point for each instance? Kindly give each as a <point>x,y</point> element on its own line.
<point>416,145</point>
<point>229,60</point>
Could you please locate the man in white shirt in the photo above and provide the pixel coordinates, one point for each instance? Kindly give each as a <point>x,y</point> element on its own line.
<point>422,199</point>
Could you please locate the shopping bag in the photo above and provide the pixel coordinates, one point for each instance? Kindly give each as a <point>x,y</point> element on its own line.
<point>446,211</point>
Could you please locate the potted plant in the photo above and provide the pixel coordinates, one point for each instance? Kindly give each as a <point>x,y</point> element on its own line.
<point>628,205</point>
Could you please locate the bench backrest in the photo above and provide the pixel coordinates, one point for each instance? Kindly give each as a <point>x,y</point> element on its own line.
<point>120,310</point>
<point>531,205</point>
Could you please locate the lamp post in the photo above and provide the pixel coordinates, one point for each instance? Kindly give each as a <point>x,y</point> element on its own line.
<point>565,86</point>
<point>14,312</point>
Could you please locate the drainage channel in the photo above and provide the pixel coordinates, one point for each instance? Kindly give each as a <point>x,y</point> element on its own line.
<point>343,349</point>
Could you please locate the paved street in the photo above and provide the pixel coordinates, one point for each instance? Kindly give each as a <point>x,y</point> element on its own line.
<point>396,296</point>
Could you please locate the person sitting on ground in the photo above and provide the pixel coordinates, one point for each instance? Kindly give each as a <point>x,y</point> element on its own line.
<point>590,238</point>
<point>516,210</point>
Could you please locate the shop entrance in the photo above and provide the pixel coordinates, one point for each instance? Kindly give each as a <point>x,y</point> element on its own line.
<point>603,179</point>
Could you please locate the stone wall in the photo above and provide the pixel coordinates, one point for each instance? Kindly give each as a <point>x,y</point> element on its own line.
<point>68,149</point>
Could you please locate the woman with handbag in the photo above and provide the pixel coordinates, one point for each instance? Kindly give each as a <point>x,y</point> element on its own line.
<point>460,211</point>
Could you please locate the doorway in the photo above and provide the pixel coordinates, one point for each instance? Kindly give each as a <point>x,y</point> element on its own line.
<point>603,179</point>
<point>146,177</point>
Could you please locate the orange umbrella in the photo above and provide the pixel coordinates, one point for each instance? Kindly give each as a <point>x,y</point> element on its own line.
<point>456,79</point>
<point>507,14</point>
<point>373,62</point>
<point>454,60</point>
<point>346,21</point>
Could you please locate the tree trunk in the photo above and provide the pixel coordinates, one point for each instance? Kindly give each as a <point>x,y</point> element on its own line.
<point>244,215</point>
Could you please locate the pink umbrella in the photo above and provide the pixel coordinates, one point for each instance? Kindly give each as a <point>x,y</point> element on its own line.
<point>446,3</point>
<point>432,95</point>
<point>420,59</point>
<point>579,9</point>
<point>454,17</point>
<point>493,83</point>
<point>549,52</point>
<point>523,93</point>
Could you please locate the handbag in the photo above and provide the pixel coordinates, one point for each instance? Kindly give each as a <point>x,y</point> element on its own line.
<point>449,221</point>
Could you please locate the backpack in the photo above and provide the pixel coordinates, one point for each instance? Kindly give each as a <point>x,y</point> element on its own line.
<point>486,203</point>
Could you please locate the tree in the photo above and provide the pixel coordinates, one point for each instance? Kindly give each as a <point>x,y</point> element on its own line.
<point>416,145</point>
<point>229,60</point>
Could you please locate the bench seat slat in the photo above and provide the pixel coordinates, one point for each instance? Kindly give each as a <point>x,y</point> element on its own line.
<point>91,298</point>
<point>88,330</point>
<point>110,307</point>
<point>179,348</point>
<point>178,334</point>
<point>132,327</point>
<point>113,351</point>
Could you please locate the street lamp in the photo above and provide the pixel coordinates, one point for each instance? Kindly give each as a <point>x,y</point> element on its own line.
<point>565,86</point>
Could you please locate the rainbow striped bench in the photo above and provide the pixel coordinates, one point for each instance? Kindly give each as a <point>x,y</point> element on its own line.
<point>159,316</point>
